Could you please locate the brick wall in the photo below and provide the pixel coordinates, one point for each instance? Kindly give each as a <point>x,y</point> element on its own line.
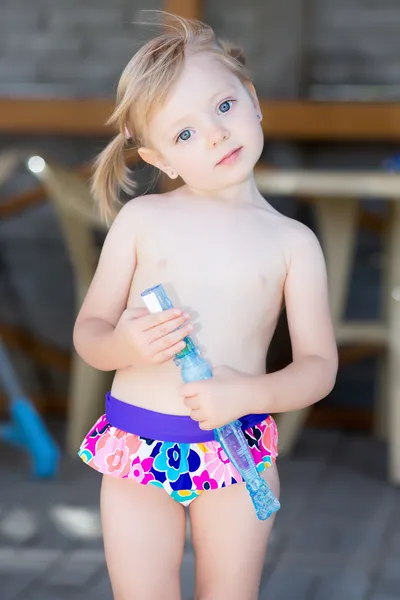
<point>354,49</point>
<point>69,47</point>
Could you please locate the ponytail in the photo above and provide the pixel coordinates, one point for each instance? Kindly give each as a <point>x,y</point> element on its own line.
<point>110,175</point>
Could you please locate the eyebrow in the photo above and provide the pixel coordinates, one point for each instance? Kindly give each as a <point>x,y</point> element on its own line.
<point>223,92</point>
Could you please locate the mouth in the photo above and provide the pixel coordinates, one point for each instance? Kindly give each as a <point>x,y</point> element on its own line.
<point>230,157</point>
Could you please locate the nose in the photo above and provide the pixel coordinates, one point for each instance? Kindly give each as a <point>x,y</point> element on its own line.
<point>217,134</point>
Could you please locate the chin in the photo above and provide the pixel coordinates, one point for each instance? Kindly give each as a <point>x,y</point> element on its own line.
<point>239,174</point>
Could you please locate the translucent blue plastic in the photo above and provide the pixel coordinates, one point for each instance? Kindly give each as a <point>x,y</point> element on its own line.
<point>231,437</point>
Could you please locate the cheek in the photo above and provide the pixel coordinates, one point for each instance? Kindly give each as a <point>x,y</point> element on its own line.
<point>190,161</point>
<point>253,135</point>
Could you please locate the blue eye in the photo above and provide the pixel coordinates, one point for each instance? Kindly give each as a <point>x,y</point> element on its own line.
<point>225,106</point>
<point>185,135</point>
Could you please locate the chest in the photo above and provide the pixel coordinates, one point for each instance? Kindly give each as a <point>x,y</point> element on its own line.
<point>229,257</point>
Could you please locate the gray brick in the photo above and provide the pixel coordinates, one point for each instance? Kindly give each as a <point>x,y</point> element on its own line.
<point>77,569</point>
<point>101,74</point>
<point>26,560</point>
<point>320,534</point>
<point>17,70</point>
<point>43,46</point>
<point>85,19</point>
<point>14,19</point>
<point>259,31</point>
<point>101,590</point>
<point>12,586</point>
<point>132,10</point>
<point>47,593</point>
<point>351,586</point>
<point>389,588</point>
<point>19,526</point>
<point>288,581</point>
<point>115,46</point>
<point>187,576</point>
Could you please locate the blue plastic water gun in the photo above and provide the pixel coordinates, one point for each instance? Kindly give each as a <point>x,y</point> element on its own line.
<point>26,428</point>
<point>231,437</point>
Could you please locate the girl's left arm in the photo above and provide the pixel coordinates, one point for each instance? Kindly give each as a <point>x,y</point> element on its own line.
<point>311,375</point>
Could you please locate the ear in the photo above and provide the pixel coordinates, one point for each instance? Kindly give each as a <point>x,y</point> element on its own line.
<point>152,157</point>
<point>253,95</point>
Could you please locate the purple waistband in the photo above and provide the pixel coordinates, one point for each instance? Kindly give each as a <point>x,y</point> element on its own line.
<point>163,427</point>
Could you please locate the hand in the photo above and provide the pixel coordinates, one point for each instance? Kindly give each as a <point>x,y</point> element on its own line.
<point>152,339</point>
<point>217,401</point>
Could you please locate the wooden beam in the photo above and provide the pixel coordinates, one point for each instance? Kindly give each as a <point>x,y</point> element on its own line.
<point>295,121</point>
<point>40,352</point>
<point>189,9</point>
<point>32,116</point>
<point>331,121</point>
<point>359,419</point>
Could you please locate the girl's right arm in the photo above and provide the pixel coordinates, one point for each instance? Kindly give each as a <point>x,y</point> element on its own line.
<point>107,335</point>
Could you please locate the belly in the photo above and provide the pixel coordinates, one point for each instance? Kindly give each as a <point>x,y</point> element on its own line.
<point>158,387</point>
<point>234,300</point>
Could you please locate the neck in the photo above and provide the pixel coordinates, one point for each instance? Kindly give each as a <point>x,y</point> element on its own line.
<point>242,193</point>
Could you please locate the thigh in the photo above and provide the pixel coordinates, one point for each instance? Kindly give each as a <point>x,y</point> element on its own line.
<point>229,541</point>
<point>144,536</point>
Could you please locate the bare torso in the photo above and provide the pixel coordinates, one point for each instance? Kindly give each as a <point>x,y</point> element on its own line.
<point>223,264</point>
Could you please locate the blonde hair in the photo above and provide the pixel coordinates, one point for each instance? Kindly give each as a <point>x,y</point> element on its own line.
<point>143,88</point>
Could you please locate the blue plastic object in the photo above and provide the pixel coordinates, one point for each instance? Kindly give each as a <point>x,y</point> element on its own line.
<point>231,437</point>
<point>26,428</point>
<point>392,164</point>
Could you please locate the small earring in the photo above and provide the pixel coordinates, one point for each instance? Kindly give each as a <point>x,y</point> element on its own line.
<point>258,116</point>
<point>171,173</point>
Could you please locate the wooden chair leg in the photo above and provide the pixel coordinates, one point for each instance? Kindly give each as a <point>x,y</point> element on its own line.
<point>337,220</point>
<point>337,223</point>
<point>290,425</point>
<point>85,401</point>
<point>88,387</point>
<point>393,300</point>
<point>381,401</point>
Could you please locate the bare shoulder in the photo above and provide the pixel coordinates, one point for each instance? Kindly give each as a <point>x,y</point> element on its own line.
<point>133,213</point>
<point>297,239</point>
<point>137,206</point>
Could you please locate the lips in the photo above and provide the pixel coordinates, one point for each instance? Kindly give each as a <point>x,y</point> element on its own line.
<point>231,154</point>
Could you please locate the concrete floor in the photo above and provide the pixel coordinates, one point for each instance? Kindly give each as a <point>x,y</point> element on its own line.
<point>337,536</point>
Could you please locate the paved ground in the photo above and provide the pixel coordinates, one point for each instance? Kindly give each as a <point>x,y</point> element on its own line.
<point>337,536</point>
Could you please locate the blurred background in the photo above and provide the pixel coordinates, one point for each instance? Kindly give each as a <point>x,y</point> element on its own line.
<point>328,77</point>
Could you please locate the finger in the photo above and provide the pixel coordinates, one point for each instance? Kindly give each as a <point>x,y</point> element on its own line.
<point>197,415</point>
<point>205,425</point>
<point>192,402</point>
<point>170,340</point>
<point>170,332</point>
<point>155,319</point>
<point>168,353</point>
<point>189,390</point>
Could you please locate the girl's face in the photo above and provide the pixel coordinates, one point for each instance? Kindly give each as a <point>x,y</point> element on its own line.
<point>208,130</point>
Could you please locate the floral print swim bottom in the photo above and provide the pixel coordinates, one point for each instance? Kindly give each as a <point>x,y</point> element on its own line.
<point>184,470</point>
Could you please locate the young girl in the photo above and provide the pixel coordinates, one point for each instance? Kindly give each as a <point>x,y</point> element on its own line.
<point>230,262</point>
